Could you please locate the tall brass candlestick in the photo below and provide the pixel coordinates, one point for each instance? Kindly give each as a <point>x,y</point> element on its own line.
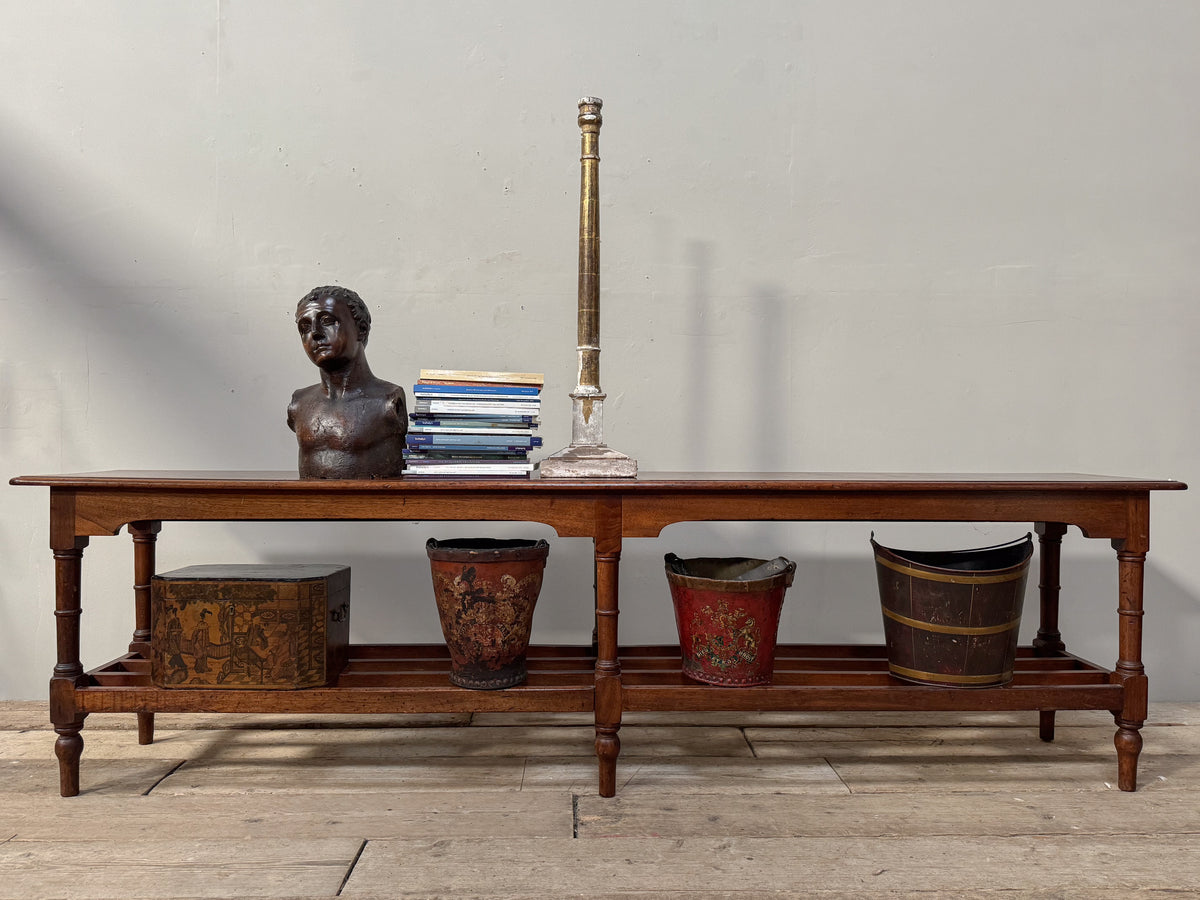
<point>590,121</point>
<point>588,456</point>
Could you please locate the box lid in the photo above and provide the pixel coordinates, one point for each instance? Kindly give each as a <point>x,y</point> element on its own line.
<point>255,572</point>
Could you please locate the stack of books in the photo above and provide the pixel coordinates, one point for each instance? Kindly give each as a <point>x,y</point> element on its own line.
<point>473,423</point>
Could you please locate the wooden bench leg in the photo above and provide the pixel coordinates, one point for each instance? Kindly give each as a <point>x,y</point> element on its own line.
<point>145,727</point>
<point>68,721</point>
<point>1046,724</point>
<point>1128,741</point>
<point>1049,640</point>
<point>68,748</point>
<point>1130,672</point>
<point>145,535</point>
<point>608,701</point>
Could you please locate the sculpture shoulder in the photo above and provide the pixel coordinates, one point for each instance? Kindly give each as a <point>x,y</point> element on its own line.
<point>300,395</point>
<point>300,398</point>
<point>397,400</point>
<point>391,395</point>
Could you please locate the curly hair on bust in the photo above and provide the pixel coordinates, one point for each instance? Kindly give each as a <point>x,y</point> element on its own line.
<point>354,303</point>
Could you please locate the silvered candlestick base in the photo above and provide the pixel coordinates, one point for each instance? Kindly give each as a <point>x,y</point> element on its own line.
<point>588,462</point>
<point>587,456</point>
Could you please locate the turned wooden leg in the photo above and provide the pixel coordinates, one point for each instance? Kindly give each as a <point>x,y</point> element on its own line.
<point>67,719</point>
<point>68,748</point>
<point>608,695</point>
<point>1046,724</point>
<point>608,666</point>
<point>608,748</point>
<point>1130,672</point>
<point>1049,640</point>
<point>145,727</point>
<point>1128,741</point>
<point>145,535</point>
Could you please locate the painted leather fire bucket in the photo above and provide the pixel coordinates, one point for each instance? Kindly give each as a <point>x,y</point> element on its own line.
<point>486,590</point>
<point>951,617</point>
<point>727,612</point>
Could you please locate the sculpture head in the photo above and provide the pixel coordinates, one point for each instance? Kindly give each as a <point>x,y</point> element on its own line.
<point>334,324</point>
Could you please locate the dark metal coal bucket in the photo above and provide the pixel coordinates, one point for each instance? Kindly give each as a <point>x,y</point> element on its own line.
<point>727,612</point>
<point>951,617</point>
<point>486,590</point>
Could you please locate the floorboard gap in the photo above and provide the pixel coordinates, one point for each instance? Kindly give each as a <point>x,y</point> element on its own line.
<point>849,790</point>
<point>575,815</point>
<point>350,868</point>
<point>749,743</point>
<point>174,769</point>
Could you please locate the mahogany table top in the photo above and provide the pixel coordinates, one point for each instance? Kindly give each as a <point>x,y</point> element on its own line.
<point>646,481</point>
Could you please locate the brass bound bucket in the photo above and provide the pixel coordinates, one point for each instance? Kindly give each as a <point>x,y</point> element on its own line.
<point>951,617</point>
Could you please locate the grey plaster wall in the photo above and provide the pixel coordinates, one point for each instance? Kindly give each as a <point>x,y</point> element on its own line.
<point>893,236</point>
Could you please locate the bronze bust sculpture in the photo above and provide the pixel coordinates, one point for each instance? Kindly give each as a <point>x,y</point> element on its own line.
<point>352,424</point>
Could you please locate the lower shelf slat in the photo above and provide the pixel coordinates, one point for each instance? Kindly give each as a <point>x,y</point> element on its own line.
<point>837,699</point>
<point>382,678</point>
<point>855,677</point>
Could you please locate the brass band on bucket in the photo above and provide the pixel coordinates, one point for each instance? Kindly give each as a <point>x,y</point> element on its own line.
<point>952,629</point>
<point>965,578</point>
<point>918,675</point>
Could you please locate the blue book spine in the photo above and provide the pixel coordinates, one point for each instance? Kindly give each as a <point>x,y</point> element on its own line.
<point>481,419</point>
<point>472,448</point>
<point>464,453</point>
<point>452,406</point>
<point>420,428</point>
<point>425,439</point>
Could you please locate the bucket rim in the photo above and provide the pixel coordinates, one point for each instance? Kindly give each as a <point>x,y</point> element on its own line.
<point>916,561</point>
<point>782,578</point>
<point>483,550</point>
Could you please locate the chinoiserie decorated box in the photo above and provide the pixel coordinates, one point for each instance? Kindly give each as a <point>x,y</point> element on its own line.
<point>277,627</point>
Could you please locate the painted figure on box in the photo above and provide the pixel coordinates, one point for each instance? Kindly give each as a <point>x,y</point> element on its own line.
<point>352,424</point>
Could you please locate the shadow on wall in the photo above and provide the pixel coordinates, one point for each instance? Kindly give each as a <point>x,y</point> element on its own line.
<point>771,357</point>
<point>697,383</point>
<point>97,267</point>
<point>758,367</point>
<point>98,280</point>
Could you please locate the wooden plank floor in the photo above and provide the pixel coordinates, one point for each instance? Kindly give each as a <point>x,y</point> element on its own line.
<point>716,805</point>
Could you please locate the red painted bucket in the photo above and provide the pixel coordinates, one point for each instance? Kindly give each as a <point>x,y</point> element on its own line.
<point>727,612</point>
